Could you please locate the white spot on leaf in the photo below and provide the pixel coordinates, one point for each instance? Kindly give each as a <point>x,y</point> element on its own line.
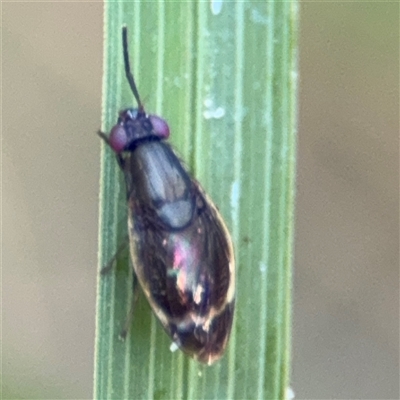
<point>289,393</point>
<point>262,267</point>
<point>216,6</point>
<point>235,190</point>
<point>211,111</point>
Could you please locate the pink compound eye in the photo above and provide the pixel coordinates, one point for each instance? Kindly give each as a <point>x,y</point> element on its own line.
<point>118,138</point>
<point>160,126</point>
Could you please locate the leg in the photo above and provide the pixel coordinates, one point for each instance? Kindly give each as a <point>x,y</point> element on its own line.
<point>129,318</point>
<point>107,268</point>
<point>121,161</point>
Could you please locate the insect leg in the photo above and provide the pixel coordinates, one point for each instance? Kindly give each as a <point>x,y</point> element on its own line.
<point>129,318</point>
<point>107,268</point>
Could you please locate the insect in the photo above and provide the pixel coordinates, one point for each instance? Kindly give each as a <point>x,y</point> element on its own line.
<point>180,248</point>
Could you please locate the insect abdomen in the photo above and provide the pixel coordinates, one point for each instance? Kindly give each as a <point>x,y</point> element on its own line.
<point>181,252</point>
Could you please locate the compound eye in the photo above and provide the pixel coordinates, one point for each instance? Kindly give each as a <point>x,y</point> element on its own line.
<point>118,138</point>
<point>160,126</point>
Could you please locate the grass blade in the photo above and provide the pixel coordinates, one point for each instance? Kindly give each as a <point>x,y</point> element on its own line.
<point>225,79</point>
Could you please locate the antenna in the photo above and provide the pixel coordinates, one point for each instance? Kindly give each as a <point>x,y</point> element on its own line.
<point>128,72</point>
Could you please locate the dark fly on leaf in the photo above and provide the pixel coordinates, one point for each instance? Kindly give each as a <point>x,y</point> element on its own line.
<point>180,248</point>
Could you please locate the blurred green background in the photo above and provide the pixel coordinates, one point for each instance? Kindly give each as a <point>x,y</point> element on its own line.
<point>346,287</point>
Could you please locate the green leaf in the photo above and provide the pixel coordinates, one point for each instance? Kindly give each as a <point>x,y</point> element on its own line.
<point>224,76</point>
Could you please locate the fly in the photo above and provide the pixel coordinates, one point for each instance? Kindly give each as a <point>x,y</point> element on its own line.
<point>181,250</point>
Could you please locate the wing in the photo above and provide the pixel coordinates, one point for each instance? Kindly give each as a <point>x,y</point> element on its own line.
<point>187,274</point>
